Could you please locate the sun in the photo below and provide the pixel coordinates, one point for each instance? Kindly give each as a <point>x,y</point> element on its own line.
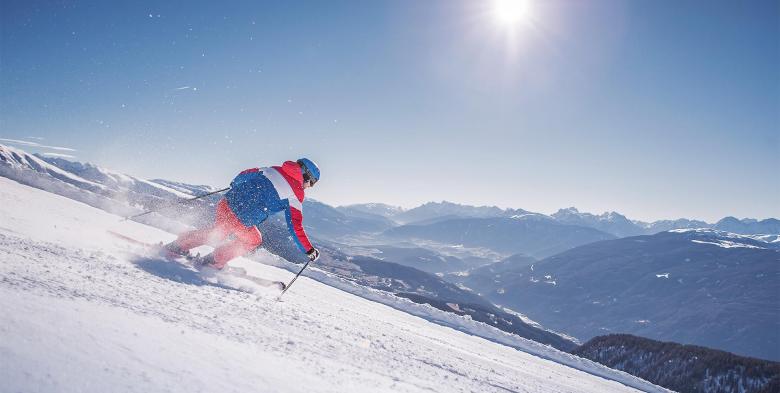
<point>512,13</point>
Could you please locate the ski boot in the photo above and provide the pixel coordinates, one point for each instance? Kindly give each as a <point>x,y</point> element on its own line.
<point>173,251</point>
<point>205,267</point>
<point>202,261</point>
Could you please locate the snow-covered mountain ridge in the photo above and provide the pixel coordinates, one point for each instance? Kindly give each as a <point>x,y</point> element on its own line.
<point>610,222</point>
<point>730,240</point>
<point>84,311</point>
<point>17,159</point>
<point>371,217</point>
<point>119,182</point>
<point>87,176</point>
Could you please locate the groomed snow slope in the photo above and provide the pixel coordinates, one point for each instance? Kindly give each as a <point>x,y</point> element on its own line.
<point>81,310</point>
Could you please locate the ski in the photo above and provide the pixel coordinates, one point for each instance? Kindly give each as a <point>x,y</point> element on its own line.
<point>156,249</point>
<point>241,273</point>
<point>191,261</point>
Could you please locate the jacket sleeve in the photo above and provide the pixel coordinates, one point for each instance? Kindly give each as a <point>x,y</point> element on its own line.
<point>295,225</point>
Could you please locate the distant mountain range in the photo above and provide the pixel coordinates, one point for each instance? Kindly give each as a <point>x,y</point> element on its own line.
<point>748,226</point>
<point>433,210</point>
<point>531,235</point>
<point>372,210</point>
<point>610,222</point>
<point>702,286</point>
<point>683,368</point>
<point>620,226</point>
<point>332,223</point>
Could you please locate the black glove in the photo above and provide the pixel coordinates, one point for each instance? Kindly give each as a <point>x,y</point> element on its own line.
<point>313,254</point>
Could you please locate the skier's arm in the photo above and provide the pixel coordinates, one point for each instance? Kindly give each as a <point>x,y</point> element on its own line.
<point>295,226</point>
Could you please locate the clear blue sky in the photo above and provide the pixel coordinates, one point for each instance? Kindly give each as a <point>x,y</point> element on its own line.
<point>656,109</point>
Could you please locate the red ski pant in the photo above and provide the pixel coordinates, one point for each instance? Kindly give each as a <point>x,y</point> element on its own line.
<point>226,224</point>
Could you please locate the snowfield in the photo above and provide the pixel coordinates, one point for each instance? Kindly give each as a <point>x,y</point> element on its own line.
<point>84,311</point>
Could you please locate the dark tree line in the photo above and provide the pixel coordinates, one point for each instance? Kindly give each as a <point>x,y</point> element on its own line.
<point>683,368</point>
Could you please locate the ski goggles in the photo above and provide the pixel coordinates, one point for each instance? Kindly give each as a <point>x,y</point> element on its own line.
<point>308,177</point>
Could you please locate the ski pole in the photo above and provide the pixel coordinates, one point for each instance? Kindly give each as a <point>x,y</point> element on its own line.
<point>186,200</point>
<point>292,281</point>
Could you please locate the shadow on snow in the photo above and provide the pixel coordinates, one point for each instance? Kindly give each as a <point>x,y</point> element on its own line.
<point>174,271</point>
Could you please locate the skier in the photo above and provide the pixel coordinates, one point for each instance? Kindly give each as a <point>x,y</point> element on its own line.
<point>254,195</point>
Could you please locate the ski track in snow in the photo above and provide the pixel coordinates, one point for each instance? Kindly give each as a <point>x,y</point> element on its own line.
<point>81,310</point>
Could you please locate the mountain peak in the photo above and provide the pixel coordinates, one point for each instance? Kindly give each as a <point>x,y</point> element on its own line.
<point>567,212</point>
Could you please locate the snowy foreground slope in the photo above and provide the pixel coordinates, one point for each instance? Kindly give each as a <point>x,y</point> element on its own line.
<point>81,310</point>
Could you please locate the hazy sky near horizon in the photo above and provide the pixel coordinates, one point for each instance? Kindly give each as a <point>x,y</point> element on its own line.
<point>653,109</point>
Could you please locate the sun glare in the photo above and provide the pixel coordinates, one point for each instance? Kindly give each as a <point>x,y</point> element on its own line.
<point>512,13</point>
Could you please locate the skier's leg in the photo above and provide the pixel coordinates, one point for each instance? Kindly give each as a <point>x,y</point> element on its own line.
<point>239,247</point>
<point>192,239</point>
<point>247,239</point>
<point>217,233</point>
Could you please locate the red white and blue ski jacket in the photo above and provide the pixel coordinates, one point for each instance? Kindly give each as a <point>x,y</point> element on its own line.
<point>258,193</point>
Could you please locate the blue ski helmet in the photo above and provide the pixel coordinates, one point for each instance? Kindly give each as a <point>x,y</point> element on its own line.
<point>311,172</point>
